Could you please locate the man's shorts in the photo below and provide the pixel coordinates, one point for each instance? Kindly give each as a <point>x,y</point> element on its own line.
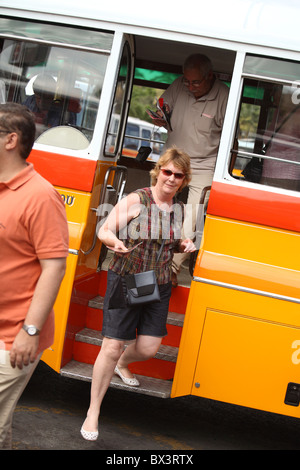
<point>127,322</point>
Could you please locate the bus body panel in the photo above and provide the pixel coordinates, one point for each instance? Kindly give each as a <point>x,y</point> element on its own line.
<point>53,355</point>
<point>243,356</point>
<point>251,256</point>
<point>239,340</point>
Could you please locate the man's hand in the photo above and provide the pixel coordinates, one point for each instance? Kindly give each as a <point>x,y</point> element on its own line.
<point>24,350</point>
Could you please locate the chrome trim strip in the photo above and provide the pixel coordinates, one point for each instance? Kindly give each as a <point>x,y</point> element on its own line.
<point>266,78</point>
<point>55,44</point>
<point>73,252</point>
<point>266,157</point>
<point>246,289</point>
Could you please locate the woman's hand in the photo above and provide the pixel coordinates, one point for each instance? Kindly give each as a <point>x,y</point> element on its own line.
<point>187,246</point>
<point>118,246</point>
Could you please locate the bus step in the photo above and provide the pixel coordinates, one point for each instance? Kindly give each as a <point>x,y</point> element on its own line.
<point>165,353</point>
<point>97,302</point>
<point>148,385</point>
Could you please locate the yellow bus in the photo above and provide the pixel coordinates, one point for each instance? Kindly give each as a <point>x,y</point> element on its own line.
<point>234,328</point>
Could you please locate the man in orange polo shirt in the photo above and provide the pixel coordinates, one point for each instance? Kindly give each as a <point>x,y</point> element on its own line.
<point>33,251</point>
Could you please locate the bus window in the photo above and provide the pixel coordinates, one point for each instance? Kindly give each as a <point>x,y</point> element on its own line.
<point>146,134</point>
<point>268,128</point>
<point>131,130</point>
<point>136,131</point>
<point>60,84</point>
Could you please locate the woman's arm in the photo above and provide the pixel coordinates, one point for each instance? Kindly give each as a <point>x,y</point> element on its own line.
<point>119,217</point>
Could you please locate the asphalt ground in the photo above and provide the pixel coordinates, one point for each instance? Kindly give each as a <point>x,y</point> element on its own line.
<point>52,408</point>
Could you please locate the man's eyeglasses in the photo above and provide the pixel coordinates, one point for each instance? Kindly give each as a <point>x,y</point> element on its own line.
<point>5,132</point>
<point>194,83</point>
<point>168,173</point>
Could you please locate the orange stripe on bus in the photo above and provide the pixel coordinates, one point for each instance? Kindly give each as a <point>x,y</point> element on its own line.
<point>64,170</point>
<point>254,205</point>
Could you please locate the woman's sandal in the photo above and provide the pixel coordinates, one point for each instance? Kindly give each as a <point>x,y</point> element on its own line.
<point>133,382</point>
<point>89,435</point>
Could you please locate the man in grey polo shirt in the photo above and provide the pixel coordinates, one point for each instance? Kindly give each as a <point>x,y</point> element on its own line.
<point>197,104</point>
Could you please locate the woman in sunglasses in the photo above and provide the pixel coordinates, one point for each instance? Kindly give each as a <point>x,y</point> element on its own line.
<point>136,229</point>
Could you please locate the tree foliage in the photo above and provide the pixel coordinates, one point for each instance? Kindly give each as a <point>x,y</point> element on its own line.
<point>143,98</point>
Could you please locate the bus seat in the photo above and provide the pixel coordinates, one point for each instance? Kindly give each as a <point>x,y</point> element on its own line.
<point>65,137</point>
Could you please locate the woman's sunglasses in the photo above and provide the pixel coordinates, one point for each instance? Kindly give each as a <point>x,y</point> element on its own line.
<point>168,173</point>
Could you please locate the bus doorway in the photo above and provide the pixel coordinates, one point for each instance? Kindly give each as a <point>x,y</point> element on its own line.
<point>153,70</point>
<point>156,67</point>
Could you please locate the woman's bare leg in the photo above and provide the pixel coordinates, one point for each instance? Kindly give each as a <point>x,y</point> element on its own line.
<point>145,347</point>
<point>104,366</point>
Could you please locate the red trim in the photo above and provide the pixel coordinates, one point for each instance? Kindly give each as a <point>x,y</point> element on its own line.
<point>157,368</point>
<point>63,170</point>
<point>255,206</point>
<point>179,299</point>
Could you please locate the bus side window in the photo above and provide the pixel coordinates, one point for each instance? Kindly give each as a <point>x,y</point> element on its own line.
<point>268,134</point>
<point>146,134</point>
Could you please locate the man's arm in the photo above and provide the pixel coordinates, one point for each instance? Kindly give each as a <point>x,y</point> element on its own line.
<point>25,347</point>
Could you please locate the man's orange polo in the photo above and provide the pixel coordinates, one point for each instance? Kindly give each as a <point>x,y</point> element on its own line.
<point>32,227</point>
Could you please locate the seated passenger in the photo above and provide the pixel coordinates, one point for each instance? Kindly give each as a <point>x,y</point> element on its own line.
<point>283,143</point>
<point>46,111</point>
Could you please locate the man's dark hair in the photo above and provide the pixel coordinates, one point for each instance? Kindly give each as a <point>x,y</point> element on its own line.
<point>17,118</point>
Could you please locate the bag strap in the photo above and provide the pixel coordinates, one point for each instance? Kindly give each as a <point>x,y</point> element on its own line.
<point>160,250</point>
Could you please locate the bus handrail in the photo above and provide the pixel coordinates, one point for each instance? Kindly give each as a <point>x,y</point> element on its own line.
<point>134,137</point>
<point>119,191</point>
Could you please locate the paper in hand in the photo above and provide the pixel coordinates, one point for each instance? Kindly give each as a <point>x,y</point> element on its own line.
<point>162,106</point>
<point>133,247</point>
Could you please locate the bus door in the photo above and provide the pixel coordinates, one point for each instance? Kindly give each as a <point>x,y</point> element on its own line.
<point>72,79</point>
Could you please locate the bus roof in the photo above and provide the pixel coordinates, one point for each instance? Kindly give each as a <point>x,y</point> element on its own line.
<point>269,23</point>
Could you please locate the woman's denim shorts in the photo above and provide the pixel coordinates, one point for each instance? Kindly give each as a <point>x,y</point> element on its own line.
<point>126,322</point>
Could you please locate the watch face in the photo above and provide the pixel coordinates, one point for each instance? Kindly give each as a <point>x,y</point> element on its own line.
<point>31,330</point>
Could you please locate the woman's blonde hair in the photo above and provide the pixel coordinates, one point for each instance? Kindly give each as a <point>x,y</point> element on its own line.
<point>179,159</point>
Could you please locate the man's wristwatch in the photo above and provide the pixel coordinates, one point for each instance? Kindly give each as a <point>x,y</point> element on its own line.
<point>31,330</point>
